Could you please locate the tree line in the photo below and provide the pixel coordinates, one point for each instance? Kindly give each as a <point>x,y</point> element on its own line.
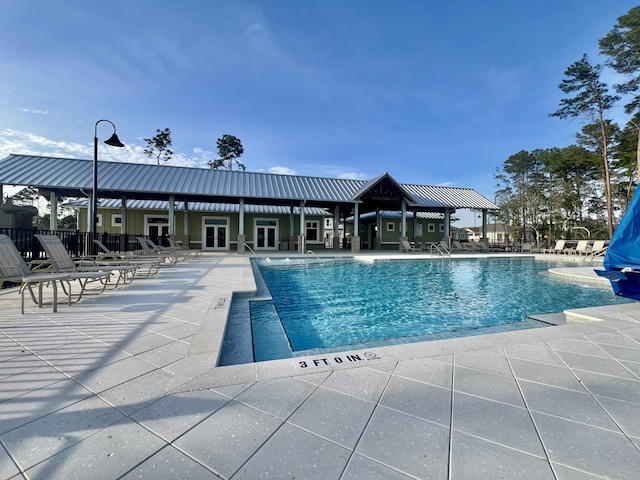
<point>564,192</point>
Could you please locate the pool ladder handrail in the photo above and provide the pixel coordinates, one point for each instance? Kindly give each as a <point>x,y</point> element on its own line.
<point>441,251</point>
<point>593,255</point>
<point>314,254</point>
<point>248,248</point>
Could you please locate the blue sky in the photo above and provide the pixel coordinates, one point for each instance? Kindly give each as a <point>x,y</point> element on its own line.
<point>436,93</point>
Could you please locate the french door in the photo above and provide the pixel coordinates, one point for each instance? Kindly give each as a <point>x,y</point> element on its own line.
<point>266,235</point>
<point>216,233</point>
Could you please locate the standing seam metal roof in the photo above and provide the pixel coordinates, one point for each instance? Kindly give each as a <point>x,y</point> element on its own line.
<point>154,181</point>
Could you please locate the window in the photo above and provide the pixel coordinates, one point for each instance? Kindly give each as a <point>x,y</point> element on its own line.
<point>116,221</point>
<point>312,231</point>
<point>442,227</point>
<point>391,227</point>
<point>99,221</point>
<point>431,227</point>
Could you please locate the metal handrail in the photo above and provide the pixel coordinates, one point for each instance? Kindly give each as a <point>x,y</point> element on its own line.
<point>441,250</point>
<point>592,255</point>
<point>249,248</point>
<point>314,254</point>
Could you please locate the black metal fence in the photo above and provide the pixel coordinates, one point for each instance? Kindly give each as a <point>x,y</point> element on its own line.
<point>77,243</point>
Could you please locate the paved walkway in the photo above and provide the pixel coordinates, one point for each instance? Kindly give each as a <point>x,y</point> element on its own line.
<point>123,385</point>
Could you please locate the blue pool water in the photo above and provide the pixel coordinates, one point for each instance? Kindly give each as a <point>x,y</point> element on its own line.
<point>342,303</point>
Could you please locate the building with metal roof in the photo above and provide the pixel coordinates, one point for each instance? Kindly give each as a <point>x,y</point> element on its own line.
<point>192,188</point>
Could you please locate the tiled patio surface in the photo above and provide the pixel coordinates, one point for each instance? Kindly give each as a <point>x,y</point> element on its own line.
<point>122,385</point>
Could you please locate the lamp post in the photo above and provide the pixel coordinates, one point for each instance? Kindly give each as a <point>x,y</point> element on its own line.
<point>114,141</point>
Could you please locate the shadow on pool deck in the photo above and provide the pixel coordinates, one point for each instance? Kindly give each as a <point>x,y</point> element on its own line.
<point>123,385</point>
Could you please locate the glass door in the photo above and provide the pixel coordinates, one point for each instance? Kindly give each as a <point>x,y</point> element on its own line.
<point>216,233</point>
<point>266,234</point>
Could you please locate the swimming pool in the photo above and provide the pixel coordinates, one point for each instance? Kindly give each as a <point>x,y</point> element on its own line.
<point>337,304</point>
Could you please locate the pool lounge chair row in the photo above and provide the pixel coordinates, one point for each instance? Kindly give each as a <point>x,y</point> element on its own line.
<point>92,273</point>
<point>583,247</point>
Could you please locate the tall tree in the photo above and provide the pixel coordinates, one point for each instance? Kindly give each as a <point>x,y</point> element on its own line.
<point>626,154</point>
<point>229,150</point>
<point>158,146</point>
<point>622,46</point>
<point>590,100</point>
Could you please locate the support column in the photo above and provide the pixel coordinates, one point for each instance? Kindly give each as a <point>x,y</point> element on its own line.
<point>484,225</point>
<point>336,229</point>
<point>292,238</point>
<point>301,242</point>
<point>241,236</point>
<point>447,228</point>
<point>123,225</point>
<point>186,237</point>
<point>376,241</point>
<point>53,217</point>
<point>403,226</point>
<point>91,213</point>
<point>172,213</point>
<point>355,238</point>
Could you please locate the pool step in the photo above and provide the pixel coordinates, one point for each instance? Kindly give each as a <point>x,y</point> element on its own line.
<point>552,318</point>
<point>266,326</point>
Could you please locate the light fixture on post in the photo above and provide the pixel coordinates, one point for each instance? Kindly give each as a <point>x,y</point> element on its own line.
<point>114,141</point>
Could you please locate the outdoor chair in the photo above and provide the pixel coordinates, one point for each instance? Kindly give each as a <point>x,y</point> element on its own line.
<point>147,266</point>
<point>406,247</point>
<point>598,249</point>
<point>486,248</point>
<point>61,262</point>
<point>150,251</point>
<point>14,269</point>
<point>183,254</point>
<point>581,249</point>
<point>181,248</point>
<point>456,246</point>
<point>558,248</point>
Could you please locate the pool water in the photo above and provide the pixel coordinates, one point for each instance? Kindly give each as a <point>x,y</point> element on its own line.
<point>342,303</point>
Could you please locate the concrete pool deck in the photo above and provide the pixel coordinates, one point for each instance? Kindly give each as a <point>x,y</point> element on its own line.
<point>123,385</point>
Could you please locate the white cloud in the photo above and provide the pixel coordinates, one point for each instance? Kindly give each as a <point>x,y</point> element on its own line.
<point>15,141</point>
<point>333,171</point>
<point>282,171</point>
<point>39,112</point>
<point>352,176</point>
<point>25,143</point>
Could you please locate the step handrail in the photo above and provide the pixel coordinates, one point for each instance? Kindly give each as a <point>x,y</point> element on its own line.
<point>248,248</point>
<point>441,251</point>
<point>314,254</point>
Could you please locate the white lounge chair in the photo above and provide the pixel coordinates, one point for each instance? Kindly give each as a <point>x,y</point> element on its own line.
<point>581,249</point>
<point>181,248</point>
<point>147,265</point>
<point>599,248</point>
<point>456,246</point>
<point>61,262</point>
<point>406,247</point>
<point>149,249</point>
<point>558,248</point>
<point>14,269</point>
<point>486,248</point>
<point>445,246</point>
